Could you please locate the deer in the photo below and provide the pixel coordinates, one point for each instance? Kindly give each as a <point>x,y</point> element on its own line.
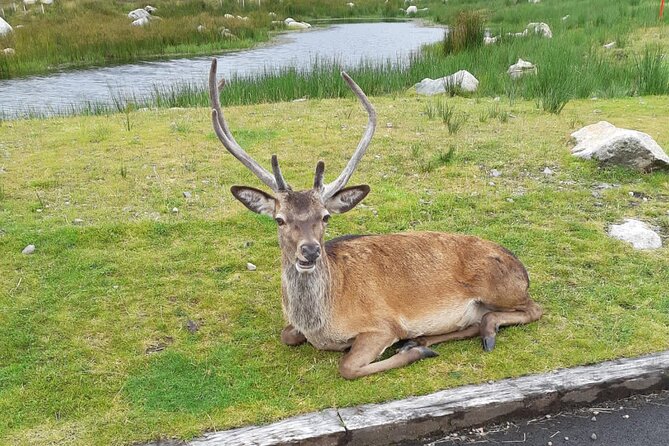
<point>361,294</point>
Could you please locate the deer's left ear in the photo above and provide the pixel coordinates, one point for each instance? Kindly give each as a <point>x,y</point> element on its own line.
<point>346,199</point>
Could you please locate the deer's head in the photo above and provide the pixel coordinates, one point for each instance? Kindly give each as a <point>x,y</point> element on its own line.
<point>301,216</point>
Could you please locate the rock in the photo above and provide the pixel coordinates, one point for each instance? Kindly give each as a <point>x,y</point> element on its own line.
<point>175,210</point>
<point>77,221</point>
<point>5,28</point>
<point>539,28</point>
<point>251,267</point>
<point>614,146</point>
<point>228,16</point>
<point>201,28</point>
<point>187,195</point>
<point>533,1</point>
<point>226,34</point>
<point>298,25</point>
<point>495,173</point>
<point>137,14</point>
<point>9,51</point>
<point>521,68</point>
<point>288,20</point>
<point>636,232</point>
<point>411,10</point>
<point>192,326</point>
<point>487,40</point>
<point>140,22</point>
<point>593,436</point>
<point>593,418</point>
<point>47,2</point>
<point>350,5</point>
<point>462,79</point>
<point>150,9</point>
<point>28,250</point>
<point>548,171</point>
<point>610,45</point>
<point>565,17</point>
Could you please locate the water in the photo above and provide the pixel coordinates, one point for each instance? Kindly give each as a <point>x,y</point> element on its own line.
<point>347,43</point>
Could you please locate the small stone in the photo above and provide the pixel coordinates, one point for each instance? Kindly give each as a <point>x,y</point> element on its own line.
<point>175,210</point>
<point>115,287</point>
<point>192,326</point>
<point>596,412</point>
<point>28,250</point>
<point>593,419</point>
<point>496,99</point>
<point>495,173</point>
<point>593,436</point>
<point>38,210</point>
<point>389,125</point>
<point>626,416</point>
<point>251,267</point>
<point>187,195</point>
<point>566,438</point>
<point>548,171</point>
<point>548,416</point>
<point>550,443</point>
<point>77,221</point>
<point>510,200</point>
<point>492,183</point>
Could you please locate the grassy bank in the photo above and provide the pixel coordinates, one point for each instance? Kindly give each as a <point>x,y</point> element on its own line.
<point>82,33</point>
<point>138,322</point>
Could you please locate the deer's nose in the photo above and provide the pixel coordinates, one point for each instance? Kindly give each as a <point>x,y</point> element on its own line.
<point>310,251</point>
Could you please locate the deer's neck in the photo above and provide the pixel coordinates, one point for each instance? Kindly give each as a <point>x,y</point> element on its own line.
<point>307,296</point>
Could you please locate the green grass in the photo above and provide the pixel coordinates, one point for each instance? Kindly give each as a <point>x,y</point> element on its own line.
<point>95,347</point>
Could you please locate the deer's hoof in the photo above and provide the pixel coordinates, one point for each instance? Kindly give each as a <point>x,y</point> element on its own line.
<point>408,345</point>
<point>488,343</point>
<point>426,352</point>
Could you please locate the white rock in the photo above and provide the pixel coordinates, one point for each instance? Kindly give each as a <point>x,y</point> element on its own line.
<point>228,16</point>
<point>201,28</point>
<point>298,25</point>
<point>610,45</point>
<point>5,28</point>
<point>548,171</point>
<point>272,14</point>
<point>47,2</point>
<point>611,145</point>
<point>150,9</point>
<point>225,33</point>
<point>350,5</point>
<point>29,2</point>
<point>565,17</point>
<point>77,221</point>
<point>9,51</point>
<point>521,68</point>
<point>411,10</point>
<point>28,250</point>
<point>187,195</point>
<point>636,232</point>
<point>462,79</point>
<point>533,1</point>
<point>140,22</point>
<point>288,20</point>
<point>137,14</point>
<point>495,173</point>
<point>539,28</point>
<point>490,40</point>
<point>175,210</point>
<point>251,267</point>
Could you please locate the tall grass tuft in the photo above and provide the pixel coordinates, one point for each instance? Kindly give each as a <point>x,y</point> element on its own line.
<point>652,73</point>
<point>466,34</point>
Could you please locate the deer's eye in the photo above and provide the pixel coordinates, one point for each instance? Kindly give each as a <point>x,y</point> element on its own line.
<point>280,221</point>
<point>326,217</point>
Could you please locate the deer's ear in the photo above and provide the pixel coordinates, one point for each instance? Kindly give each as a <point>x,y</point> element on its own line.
<point>255,199</point>
<point>346,199</point>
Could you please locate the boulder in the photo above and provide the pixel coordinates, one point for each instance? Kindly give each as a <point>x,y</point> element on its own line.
<point>5,28</point>
<point>636,232</point>
<point>622,147</point>
<point>298,25</point>
<point>521,68</point>
<point>539,28</point>
<point>140,22</point>
<point>462,79</point>
<point>137,14</point>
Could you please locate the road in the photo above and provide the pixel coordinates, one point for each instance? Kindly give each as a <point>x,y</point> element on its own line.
<point>635,421</point>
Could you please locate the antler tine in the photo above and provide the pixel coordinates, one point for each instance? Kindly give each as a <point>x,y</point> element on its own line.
<point>318,178</point>
<point>223,132</point>
<point>332,188</point>
<point>280,182</point>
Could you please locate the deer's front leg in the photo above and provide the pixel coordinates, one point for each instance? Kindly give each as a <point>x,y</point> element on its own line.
<point>292,336</point>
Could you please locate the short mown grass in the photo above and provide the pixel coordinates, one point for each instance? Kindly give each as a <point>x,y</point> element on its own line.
<point>143,323</point>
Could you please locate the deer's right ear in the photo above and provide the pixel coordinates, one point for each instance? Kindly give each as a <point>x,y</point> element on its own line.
<point>255,199</point>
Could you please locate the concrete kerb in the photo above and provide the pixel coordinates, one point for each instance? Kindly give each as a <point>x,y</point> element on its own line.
<point>453,409</point>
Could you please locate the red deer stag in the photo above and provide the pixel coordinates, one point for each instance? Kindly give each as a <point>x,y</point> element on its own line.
<point>365,293</point>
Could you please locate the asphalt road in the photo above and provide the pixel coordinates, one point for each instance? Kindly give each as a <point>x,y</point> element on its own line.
<point>635,421</point>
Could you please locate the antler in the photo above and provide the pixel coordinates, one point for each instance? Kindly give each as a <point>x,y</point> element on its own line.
<point>332,188</point>
<point>274,182</point>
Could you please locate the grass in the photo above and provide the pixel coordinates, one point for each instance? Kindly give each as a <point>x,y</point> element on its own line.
<point>97,337</point>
